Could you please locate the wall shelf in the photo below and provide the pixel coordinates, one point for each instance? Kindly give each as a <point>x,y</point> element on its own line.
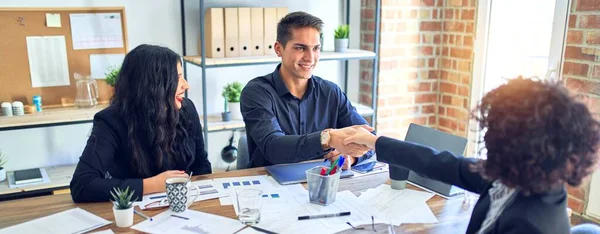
<point>50,117</point>
<point>60,177</point>
<point>215,124</point>
<point>271,59</point>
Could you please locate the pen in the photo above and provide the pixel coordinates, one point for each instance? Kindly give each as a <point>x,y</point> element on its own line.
<point>143,215</point>
<point>159,196</point>
<point>323,216</point>
<point>263,230</point>
<point>323,171</point>
<point>333,165</point>
<point>334,170</point>
<point>181,217</point>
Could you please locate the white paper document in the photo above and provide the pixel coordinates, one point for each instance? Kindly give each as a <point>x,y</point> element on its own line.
<point>71,221</point>
<point>103,232</point>
<point>421,214</point>
<point>96,30</point>
<point>229,184</point>
<point>48,65</point>
<point>100,64</point>
<point>397,206</point>
<point>189,221</point>
<point>345,201</point>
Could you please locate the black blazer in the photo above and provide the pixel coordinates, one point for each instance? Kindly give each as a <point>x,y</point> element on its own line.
<point>541,213</point>
<point>106,160</point>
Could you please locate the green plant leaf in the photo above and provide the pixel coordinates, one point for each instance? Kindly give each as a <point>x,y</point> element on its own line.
<point>233,91</point>
<point>112,75</point>
<point>122,198</point>
<point>342,32</point>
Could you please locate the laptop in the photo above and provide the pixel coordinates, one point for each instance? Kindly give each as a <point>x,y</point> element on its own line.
<point>295,173</point>
<point>440,141</point>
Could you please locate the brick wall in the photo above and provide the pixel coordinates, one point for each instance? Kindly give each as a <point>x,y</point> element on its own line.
<point>456,66</point>
<point>426,48</point>
<point>410,46</point>
<point>581,71</point>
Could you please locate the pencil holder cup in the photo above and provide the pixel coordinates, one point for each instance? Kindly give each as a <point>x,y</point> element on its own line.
<point>322,189</point>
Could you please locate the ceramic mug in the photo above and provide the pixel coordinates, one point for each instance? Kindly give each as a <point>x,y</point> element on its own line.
<point>178,193</point>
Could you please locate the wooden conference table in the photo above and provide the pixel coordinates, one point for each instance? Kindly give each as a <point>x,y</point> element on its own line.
<point>453,215</point>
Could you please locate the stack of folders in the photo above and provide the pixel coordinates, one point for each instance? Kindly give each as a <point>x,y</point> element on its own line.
<point>240,32</point>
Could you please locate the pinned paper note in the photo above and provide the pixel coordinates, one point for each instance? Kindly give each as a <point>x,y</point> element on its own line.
<point>101,63</point>
<point>53,20</point>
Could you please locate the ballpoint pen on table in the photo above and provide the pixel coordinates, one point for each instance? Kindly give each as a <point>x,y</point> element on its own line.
<point>323,215</point>
<point>141,214</point>
<point>263,230</point>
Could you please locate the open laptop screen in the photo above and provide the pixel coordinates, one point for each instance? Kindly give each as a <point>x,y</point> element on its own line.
<point>440,141</point>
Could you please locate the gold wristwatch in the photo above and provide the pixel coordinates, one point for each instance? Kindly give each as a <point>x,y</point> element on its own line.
<point>325,138</point>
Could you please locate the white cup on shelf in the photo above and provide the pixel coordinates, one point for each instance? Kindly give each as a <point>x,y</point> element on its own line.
<point>7,109</point>
<point>17,108</point>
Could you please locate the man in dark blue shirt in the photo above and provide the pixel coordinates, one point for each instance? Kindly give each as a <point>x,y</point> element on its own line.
<point>293,116</point>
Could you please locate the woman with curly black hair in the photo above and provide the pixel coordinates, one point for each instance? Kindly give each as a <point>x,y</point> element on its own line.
<point>538,138</point>
<point>149,133</point>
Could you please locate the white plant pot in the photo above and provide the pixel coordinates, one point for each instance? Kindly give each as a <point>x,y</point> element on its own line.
<point>234,108</point>
<point>341,45</point>
<point>123,218</point>
<point>2,174</point>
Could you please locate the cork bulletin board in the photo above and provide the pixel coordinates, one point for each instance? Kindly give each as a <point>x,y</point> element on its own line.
<point>15,82</point>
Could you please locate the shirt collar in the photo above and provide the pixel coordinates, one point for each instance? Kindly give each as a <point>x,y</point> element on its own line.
<point>282,89</point>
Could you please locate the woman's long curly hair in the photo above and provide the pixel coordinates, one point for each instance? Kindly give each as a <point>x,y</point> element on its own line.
<point>537,136</point>
<point>145,98</point>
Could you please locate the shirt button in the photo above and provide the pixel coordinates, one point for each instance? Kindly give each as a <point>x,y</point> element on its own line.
<point>301,123</point>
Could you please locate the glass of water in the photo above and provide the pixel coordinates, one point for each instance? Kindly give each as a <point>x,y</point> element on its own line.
<point>249,203</point>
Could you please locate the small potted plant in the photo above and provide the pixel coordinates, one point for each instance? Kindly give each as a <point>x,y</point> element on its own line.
<point>111,76</point>
<point>3,160</point>
<point>123,206</point>
<point>232,93</point>
<point>341,38</point>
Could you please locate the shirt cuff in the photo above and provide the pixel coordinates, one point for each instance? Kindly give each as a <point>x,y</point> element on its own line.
<point>314,142</point>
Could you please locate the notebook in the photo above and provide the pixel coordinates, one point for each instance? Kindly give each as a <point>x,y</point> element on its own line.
<point>440,141</point>
<point>28,176</point>
<point>295,173</point>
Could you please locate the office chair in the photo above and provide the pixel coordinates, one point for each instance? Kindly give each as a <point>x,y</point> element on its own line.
<point>243,157</point>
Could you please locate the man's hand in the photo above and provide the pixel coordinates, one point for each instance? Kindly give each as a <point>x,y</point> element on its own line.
<point>338,136</point>
<point>334,155</point>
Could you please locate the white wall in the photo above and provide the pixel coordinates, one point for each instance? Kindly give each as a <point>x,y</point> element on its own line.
<point>159,22</point>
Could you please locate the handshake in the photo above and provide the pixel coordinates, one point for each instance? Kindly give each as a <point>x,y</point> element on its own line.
<point>349,142</point>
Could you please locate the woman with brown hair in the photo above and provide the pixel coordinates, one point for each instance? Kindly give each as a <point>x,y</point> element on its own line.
<point>538,138</point>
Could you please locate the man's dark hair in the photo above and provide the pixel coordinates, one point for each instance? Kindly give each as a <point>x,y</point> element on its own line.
<point>298,19</point>
<point>538,137</point>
